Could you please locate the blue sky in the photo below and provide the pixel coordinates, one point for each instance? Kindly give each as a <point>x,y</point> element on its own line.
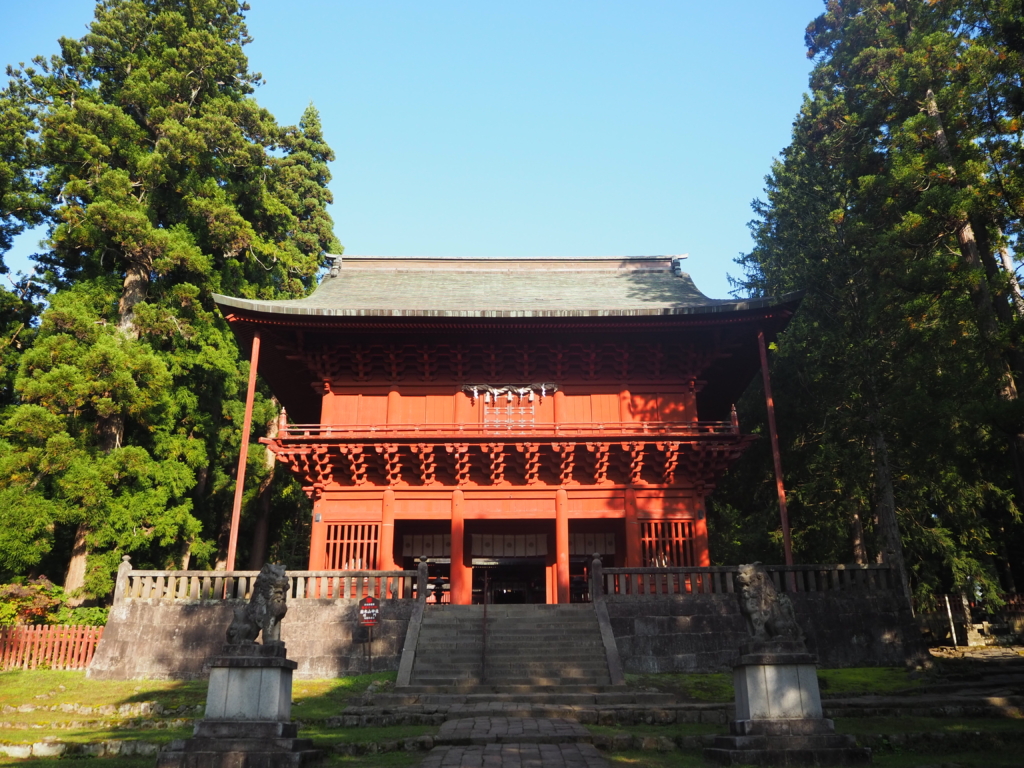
<point>560,128</point>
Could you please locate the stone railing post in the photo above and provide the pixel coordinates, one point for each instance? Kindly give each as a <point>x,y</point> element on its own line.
<point>421,581</point>
<point>596,579</point>
<point>121,584</point>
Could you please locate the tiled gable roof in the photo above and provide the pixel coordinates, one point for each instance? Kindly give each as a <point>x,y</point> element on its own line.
<point>426,287</point>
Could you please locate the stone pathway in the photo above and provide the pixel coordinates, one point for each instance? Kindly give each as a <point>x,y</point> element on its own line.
<point>516,756</point>
<point>513,742</point>
<point>507,730</point>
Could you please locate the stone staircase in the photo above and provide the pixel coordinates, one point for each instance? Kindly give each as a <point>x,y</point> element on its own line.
<point>527,647</point>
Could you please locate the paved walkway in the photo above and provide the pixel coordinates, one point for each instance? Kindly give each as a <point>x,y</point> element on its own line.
<point>507,730</point>
<point>513,742</point>
<point>516,756</point>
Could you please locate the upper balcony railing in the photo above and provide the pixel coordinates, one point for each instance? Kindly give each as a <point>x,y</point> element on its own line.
<point>591,430</point>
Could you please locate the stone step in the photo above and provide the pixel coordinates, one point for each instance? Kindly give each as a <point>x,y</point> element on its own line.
<point>413,696</point>
<point>460,655</point>
<point>525,646</point>
<point>521,682</point>
<point>439,667</point>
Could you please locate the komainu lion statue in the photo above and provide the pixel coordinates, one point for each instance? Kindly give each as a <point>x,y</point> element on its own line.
<point>769,615</point>
<point>265,608</point>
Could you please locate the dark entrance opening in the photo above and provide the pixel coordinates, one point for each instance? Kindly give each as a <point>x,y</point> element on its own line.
<point>510,580</point>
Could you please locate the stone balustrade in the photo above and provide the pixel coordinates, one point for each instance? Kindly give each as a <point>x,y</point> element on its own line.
<point>721,579</point>
<point>237,585</point>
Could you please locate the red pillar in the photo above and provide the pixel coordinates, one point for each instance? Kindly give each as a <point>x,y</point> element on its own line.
<point>779,488</point>
<point>318,540</point>
<point>625,406</point>
<point>463,408</point>
<point>562,544</point>
<point>700,536</point>
<point>243,454</point>
<point>561,416</point>
<point>394,407</point>
<point>461,574</point>
<point>386,554</point>
<point>634,558</point>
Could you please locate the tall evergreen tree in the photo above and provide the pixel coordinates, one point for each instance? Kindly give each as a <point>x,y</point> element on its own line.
<point>905,360</point>
<point>166,182</point>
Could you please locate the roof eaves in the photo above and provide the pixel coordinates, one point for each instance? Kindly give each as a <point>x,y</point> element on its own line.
<point>718,307</point>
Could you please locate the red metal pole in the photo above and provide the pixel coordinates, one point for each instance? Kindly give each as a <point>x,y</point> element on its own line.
<point>780,489</point>
<point>243,453</point>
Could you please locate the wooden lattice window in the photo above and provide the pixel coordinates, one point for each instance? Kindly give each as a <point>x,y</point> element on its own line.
<point>668,543</point>
<point>509,410</point>
<point>352,546</point>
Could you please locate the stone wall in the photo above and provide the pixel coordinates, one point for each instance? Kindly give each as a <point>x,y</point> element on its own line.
<point>161,639</point>
<point>702,633</point>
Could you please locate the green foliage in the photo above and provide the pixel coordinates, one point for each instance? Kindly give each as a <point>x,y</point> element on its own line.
<point>896,383</point>
<point>163,182</point>
<point>39,601</point>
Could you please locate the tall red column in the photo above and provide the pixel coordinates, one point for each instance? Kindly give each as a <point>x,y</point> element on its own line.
<point>625,406</point>
<point>463,408</point>
<point>776,455</point>
<point>461,575</point>
<point>562,544</point>
<point>318,541</point>
<point>243,453</point>
<point>560,407</point>
<point>634,558</point>
<point>386,555</point>
<point>700,536</point>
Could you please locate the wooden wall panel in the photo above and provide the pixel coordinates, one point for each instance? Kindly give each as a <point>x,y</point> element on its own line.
<point>644,407</point>
<point>413,410</point>
<point>605,408</point>
<point>579,409</point>
<point>440,409</point>
<point>373,409</point>
<point>340,409</point>
<point>544,410</point>
<point>674,407</point>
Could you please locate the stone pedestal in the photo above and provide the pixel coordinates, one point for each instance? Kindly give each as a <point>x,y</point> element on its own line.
<point>778,714</point>
<point>248,713</point>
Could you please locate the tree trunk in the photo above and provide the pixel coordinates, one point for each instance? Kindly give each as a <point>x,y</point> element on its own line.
<point>258,553</point>
<point>186,554</point>
<point>74,578</point>
<point>981,296</point>
<point>1009,583</point>
<point>111,432</point>
<point>110,428</point>
<point>860,552</point>
<point>258,547</point>
<point>136,286</point>
<point>1011,277</point>
<point>885,506</point>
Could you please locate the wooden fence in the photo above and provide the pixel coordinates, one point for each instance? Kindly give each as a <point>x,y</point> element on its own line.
<point>47,646</point>
<point>652,582</point>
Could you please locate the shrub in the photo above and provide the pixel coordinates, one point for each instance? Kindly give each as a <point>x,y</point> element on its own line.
<point>40,601</point>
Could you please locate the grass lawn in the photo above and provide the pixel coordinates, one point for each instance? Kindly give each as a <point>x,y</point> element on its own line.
<point>386,760</point>
<point>316,700</point>
<point>952,725</point>
<point>1007,757</point>
<point>833,682</point>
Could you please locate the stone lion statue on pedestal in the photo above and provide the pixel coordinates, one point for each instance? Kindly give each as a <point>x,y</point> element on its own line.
<point>769,615</point>
<point>265,609</point>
